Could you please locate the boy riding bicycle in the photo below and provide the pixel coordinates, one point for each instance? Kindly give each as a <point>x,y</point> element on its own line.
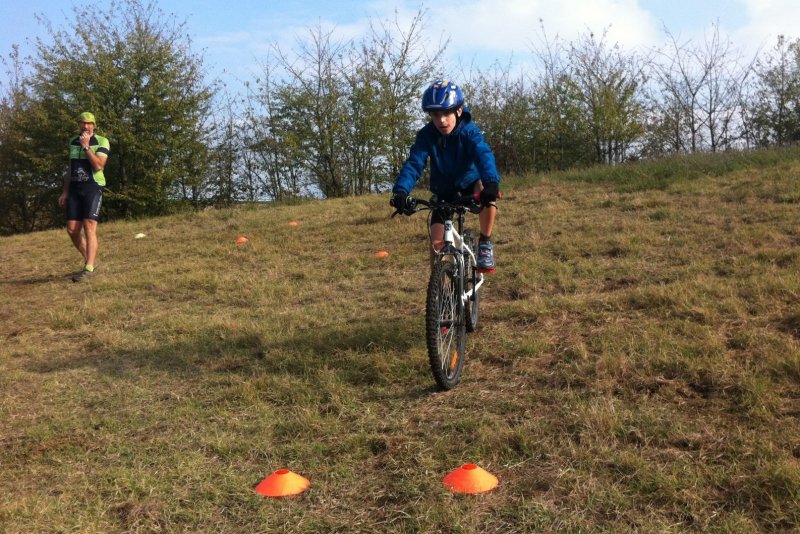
<point>462,163</point>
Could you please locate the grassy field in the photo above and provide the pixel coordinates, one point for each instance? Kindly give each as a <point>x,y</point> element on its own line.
<point>637,368</point>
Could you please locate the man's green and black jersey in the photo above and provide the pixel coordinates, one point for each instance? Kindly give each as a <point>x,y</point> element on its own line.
<point>79,167</point>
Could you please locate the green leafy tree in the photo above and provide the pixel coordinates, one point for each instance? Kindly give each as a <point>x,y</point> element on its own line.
<point>562,136</point>
<point>773,113</point>
<point>27,175</point>
<point>608,83</point>
<point>365,137</point>
<point>384,74</point>
<point>273,161</point>
<point>403,63</point>
<point>335,118</point>
<point>137,73</point>
<point>314,100</point>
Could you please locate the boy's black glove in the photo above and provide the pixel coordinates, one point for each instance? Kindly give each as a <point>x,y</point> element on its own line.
<point>489,194</point>
<point>399,201</point>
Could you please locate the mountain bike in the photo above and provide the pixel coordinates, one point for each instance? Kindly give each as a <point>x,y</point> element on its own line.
<point>453,300</point>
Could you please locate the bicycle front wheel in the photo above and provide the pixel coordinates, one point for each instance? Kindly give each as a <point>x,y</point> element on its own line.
<point>444,324</point>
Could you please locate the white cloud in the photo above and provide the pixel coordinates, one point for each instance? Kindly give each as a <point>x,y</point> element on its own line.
<point>488,31</point>
<point>515,25</point>
<point>482,30</point>
<point>766,20</point>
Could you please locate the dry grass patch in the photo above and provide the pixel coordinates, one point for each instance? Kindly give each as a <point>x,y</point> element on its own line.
<point>637,366</point>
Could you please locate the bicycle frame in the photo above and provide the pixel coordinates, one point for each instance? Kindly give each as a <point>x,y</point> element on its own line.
<point>454,242</point>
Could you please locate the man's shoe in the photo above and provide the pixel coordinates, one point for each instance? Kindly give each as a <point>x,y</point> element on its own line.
<point>486,257</point>
<point>83,275</point>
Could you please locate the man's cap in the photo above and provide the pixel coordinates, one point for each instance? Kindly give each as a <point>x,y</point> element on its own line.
<point>87,117</point>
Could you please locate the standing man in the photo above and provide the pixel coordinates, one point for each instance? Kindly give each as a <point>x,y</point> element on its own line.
<point>83,191</point>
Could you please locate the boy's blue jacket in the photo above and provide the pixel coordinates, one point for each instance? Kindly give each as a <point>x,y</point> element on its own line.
<point>457,160</point>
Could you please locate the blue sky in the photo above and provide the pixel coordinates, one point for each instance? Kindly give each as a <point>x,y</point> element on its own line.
<point>236,35</point>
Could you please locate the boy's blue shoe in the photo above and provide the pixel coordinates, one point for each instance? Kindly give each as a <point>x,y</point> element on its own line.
<point>486,257</point>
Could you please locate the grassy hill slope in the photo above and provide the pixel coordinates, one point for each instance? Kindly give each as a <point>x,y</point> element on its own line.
<point>637,367</point>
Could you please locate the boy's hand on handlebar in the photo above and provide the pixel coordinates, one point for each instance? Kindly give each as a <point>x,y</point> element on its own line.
<point>402,203</point>
<point>489,194</point>
<point>398,201</point>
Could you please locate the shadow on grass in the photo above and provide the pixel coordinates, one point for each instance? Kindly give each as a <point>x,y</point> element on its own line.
<point>36,280</point>
<point>360,354</point>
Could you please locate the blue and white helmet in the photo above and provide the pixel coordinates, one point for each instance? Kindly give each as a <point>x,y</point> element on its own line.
<point>441,96</point>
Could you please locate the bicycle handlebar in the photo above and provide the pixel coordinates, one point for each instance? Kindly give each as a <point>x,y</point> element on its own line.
<point>470,203</point>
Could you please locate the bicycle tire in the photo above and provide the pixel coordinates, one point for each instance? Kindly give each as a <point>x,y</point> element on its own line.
<point>472,309</point>
<point>444,324</point>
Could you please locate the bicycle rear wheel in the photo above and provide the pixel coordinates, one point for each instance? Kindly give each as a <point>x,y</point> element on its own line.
<point>444,325</point>
<point>472,307</point>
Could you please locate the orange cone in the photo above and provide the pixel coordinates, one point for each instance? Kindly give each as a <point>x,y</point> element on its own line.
<point>282,483</point>
<point>381,254</point>
<point>241,240</point>
<point>469,478</point>
<point>293,223</point>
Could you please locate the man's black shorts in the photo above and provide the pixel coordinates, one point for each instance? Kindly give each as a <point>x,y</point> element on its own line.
<point>83,201</point>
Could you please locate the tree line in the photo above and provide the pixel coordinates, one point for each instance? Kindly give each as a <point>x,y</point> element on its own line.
<point>331,118</point>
